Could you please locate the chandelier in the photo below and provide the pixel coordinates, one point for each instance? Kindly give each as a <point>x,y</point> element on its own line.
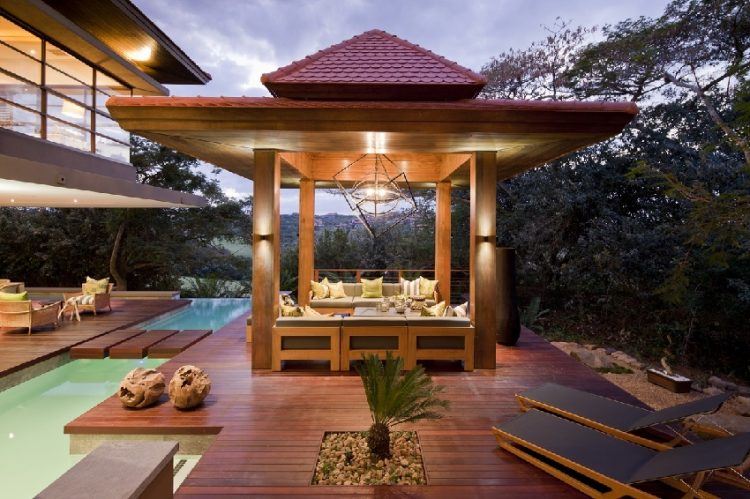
<point>376,198</point>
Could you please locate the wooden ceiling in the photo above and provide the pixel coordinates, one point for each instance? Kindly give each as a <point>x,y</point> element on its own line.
<point>429,141</point>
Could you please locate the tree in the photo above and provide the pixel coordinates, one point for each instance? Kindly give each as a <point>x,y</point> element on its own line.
<point>396,399</point>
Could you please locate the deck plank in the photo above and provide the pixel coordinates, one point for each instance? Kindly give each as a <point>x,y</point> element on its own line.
<point>137,346</point>
<point>19,350</point>
<point>177,343</point>
<point>98,348</point>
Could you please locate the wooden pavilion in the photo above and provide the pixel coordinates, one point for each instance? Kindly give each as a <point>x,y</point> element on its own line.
<point>373,93</point>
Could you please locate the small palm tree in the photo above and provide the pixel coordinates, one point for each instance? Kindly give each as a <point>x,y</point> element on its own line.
<point>396,399</point>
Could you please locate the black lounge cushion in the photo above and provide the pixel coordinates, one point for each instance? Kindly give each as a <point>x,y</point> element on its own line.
<point>618,415</point>
<point>624,461</point>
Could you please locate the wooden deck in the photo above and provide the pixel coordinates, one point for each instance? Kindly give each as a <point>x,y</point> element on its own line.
<point>19,350</point>
<point>178,343</point>
<point>136,347</point>
<point>270,425</point>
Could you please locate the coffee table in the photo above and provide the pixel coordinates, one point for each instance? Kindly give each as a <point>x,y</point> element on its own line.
<point>374,312</point>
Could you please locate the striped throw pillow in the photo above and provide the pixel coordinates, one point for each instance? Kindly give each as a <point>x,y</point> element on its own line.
<point>410,288</point>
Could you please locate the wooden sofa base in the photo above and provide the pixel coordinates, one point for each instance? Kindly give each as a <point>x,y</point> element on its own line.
<point>348,332</point>
<point>465,354</point>
<point>332,354</point>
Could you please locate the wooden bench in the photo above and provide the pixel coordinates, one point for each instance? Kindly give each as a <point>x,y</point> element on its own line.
<point>300,338</point>
<point>440,338</point>
<point>123,469</point>
<point>372,335</point>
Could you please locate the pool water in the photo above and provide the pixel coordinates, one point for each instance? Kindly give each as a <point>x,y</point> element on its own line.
<point>34,451</point>
<point>203,313</point>
<point>33,448</point>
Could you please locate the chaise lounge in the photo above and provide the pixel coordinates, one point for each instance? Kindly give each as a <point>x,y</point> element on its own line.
<point>574,454</point>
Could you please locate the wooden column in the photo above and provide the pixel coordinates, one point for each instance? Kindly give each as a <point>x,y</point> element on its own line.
<point>306,252</point>
<point>483,185</point>
<point>443,239</point>
<point>266,253</point>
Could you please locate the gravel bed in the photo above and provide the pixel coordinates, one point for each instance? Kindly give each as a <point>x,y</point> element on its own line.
<point>345,459</point>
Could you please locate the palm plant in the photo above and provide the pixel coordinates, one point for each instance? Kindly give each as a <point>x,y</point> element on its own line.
<point>396,399</point>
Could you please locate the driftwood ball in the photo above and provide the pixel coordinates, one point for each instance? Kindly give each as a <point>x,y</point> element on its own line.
<point>141,388</point>
<point>188,387</point>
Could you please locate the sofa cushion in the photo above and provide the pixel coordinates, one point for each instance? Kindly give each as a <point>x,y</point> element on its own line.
<point>95,286</point>
<point>410,288</point>
<point>434,311</point>
<point>365,302</point>
<point>332,302</point>
<point>427,286</point>
<point>308,322</point>
<point>319,290</point>
<point>391,289</point>
<point>356,321</point>
<point>353,289</point>
<point>438,321</point>
<point>335,289</point>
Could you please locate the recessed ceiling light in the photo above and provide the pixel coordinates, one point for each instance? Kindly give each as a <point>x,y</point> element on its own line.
<point>11,435</point>
<point>75,201</point>
<point>12,200</point>
<point>142,54</point>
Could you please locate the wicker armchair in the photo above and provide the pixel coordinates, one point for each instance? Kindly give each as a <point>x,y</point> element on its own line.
<point>8,286</point>
<point>22,314</point>
<point>100,302</point>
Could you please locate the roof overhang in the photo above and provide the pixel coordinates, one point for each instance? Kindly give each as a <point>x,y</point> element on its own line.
<point>225,131</point>
<point>37,173</point>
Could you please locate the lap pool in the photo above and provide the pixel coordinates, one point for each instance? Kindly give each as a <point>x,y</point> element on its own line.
<point>34,451</point>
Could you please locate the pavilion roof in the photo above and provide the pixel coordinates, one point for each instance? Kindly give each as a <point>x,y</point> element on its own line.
<point>374,66</point>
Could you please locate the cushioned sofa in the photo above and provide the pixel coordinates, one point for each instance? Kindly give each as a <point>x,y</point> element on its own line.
<point>354,298</point>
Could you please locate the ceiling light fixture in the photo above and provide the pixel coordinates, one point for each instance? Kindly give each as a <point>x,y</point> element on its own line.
<point>385,191</point>
<point>142,54</point>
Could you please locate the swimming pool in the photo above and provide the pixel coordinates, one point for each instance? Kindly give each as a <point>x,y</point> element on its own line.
<point>203,313</point>
<point>34,451</point>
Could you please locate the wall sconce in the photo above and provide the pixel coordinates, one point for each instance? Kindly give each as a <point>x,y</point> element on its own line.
<point>485,239</point>
<point>264,237</point>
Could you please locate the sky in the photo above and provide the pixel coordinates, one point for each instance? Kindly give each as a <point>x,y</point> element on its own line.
<point>238,40</point>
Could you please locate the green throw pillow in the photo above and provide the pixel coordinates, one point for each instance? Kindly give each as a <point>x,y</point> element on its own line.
<point>434,311</point>
<point>14,296</point>
<point>372,288</point>
<point>95,286</point>
<point>427,287</point>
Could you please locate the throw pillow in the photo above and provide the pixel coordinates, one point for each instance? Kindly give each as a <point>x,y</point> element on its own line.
<point>462,310</point>
<point>291,311</point>
<point>95,286</point>
<point>372,288</point>
<point>449,312</point>
<point>335,289</point>
<point>14,296</point>
<point>433,311</point>
<point>410,288</point>
<point>319,290</point>
<point>427,287</point>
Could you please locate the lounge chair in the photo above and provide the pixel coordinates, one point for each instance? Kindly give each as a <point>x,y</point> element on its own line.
<point>100,301</point>
<point>22,314</point>
<point>618,418</point>
<point>8,286</point>
<point>600,465</point>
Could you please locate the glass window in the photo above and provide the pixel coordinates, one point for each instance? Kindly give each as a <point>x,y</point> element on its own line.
<point>61,60</point>
<point>64,84</point>
<point>110,128</point>
<point>20,92</point>
<point>68,110</point>
<point>111,149</point>
<point>68,135</point>
<point>19,38</point>
<point>17,63</point>
<point>20,120</point>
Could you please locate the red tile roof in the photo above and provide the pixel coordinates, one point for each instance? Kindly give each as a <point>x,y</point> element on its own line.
<point>374,66</point>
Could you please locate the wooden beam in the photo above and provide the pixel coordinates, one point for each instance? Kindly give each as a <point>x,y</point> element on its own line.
<point>266,253</point>
<point>299,161</point>
<point>482,274</point>
<point>451,163</point>
<point>443,239</point>
<point>306,250</point>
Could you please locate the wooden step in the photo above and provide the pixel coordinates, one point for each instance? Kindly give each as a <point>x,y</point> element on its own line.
<point>177,343</point>
<point>135,348</point>
<point>98,348</point>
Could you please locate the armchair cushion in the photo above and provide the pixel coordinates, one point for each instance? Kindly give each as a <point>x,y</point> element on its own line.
<point>14,296</point>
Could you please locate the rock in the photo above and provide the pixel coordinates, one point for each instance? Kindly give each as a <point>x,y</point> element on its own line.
<point>188,387</point>
<point>141,388</point>
<point>743,390</point>
<point>717,382</point>
<point>731,387</point>
<point>712,390</point>
<point>566,346</point>
<point>741,405</point>
<point>628,360</point>
<point>589,346</point>
<point>596,359</point>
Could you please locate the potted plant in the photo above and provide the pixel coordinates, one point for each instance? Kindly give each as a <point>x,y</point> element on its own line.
<point>396,399</point>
